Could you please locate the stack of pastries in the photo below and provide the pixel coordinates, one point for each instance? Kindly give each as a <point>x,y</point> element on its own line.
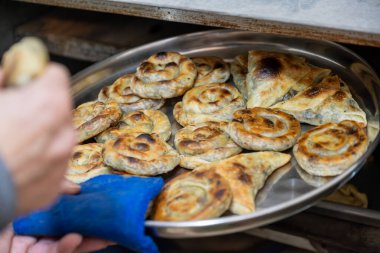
<point>258,113</point>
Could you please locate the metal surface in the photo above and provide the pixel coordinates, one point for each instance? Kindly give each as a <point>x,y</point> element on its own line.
<point>355,21</point>
<point>285,193</point>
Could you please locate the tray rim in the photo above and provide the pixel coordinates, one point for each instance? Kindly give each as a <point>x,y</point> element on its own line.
<point>292,206</point>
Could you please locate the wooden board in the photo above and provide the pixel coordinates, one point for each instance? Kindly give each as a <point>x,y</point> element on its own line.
<point>355,23</point>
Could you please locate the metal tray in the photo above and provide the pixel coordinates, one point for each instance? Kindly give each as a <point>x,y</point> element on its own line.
<point>286,192</point>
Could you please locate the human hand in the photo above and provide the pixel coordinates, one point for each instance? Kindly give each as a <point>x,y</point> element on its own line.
<point>37,137</point>
<point>70,243</point>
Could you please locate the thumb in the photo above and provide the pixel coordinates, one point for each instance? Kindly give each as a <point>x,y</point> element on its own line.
<point>68,187</point>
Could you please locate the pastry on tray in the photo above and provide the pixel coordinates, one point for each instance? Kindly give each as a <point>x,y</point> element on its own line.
<point>246,175</point>
<point>86,162</point>
<point>211,102</point>
<point>140,154</point>
<point>144,121</point>
<point>330,101</point>
<point>94,117</point>
<point>210,69</point>
<point>264,129</point>
<point>330,149</point>
<point>196,195</point>
<point>164,75</point>
<point>120,92</point>
<point>204,143</point>
<point>239,70</point>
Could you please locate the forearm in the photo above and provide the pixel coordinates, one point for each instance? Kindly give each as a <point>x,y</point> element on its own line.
<point>7,196</point>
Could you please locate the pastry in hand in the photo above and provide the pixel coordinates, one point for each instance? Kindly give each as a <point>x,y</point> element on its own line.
<point>272,76</point>
<point>164,75</point>
<point>24,61</point>
<point>211,102</point>
<point>196,195</point>
<point>143,121</point>
<point>264,129</point>
<point>330,149</point>
<point>204,143</point>
<point>140,154</point>
<point>328,102</point>
<point>120,92</point>
<point>86,162</point>
<point>246,174</point>
<point>94,117</point>
<point>239,70</point>
<point>210,69</point>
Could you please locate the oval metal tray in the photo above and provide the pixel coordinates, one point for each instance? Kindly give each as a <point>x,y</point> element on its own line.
<point>287,191</point>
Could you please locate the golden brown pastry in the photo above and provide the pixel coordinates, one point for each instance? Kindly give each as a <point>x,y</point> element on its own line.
<point>348,194</point>
<point>143,121</point>
<point>264,129</point>
<point>210,69</point>
<point>271,76</point>
<point>120,92</point>
<point>211,102</point>
<point>203,143</point>
<point>140,154</point>
<point>239,70</point>
<point>24,61</point>
<point>94,117</point>
<point>164,75</point>
<point>328,102</point>
<point>86,163</point>
<point>330,149</point>
<point>196,195</point>
<point>246,174</point>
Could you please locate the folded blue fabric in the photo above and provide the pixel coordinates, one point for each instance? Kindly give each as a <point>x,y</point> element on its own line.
<point>110,207</point>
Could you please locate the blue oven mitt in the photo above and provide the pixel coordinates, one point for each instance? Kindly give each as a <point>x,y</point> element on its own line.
<point>110,207</point>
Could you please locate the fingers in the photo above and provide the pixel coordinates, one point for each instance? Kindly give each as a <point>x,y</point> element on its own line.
<point>22,244</point>
<point>69,243</point>
<point>68,187</point>
<point>92,244</point>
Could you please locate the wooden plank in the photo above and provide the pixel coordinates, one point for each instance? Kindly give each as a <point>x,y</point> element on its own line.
<point>367,35</point>
<point>94,36</point>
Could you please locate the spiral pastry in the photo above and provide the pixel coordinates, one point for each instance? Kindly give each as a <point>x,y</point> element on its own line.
<point>140,154</point>
<point>120,92</point>
<point>211,102</point>
<point>94,117</point>
<point>164,75</point>
<point>330,149</point>
<point>143,121</point>
<point>86,162</point>
<point>211,69</point>
<point>203,143</point>
<point>197,195</point>
<point>264,129</point>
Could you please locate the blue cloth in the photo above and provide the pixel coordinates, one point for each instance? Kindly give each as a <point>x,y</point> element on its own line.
<point>110,207</point>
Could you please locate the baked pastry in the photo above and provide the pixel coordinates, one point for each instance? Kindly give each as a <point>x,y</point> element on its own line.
<point>196,195</point>
<point>24,61</point>
<point>246,174</point>
<point>86,162</point>
<point>94,117</point>
<point>210,69</point>
<point>264,129</point>
<point>203,143</point>
<point>120,92</point>
<point>330,149</point>
<point>143,121</point>
<point>211,102</point>
<point>239,70</point>
<point>164,75</point>
<point>140,154</point>
<point>272,76</point>
<point>328,102</point>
